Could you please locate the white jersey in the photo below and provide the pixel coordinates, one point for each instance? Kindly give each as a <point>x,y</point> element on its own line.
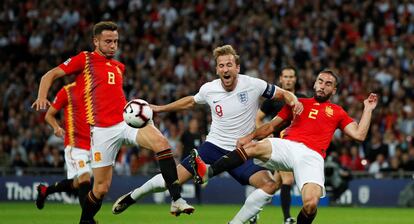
<point>233,113</point>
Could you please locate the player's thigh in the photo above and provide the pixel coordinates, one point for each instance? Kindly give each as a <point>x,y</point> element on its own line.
<point>287,177</point>
<point>105,144</point>
<point>151,138</point>
<point>82,161</point>
<point>71,170</point>
<point>261,150</point>
<point>278,154</point>
<point>308,168</point>
<point>244,172</point>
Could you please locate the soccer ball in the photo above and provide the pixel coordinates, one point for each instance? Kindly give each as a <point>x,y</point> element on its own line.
<point>137,113</point>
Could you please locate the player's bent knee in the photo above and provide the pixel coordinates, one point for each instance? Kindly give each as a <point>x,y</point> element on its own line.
<point>100,190</point>
<point>269,186</point>
<point>310,204</point>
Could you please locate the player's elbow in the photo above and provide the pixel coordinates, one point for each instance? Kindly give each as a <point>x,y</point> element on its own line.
<point>360,137</point>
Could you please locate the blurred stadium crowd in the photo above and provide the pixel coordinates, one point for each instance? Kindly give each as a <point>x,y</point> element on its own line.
<point>167,49</point>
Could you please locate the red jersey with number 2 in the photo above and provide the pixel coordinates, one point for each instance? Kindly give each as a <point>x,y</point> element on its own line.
<point>316,125</point>
<point>77,131</point>
<point>102,80</point>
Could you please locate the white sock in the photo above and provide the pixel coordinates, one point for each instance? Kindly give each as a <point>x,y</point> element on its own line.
<point>154,185</point>
<point>252,206</point>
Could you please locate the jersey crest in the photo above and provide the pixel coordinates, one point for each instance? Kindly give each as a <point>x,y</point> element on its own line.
<point>329,111</point>
<point>243,97</point>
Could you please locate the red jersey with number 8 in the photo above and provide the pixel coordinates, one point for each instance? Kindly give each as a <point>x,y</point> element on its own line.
<point>316,125</point>
<point>102,80</point>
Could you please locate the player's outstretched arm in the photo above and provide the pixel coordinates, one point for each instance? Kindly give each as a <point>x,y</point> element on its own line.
<point>181,104</point>
<point>261,132</point>
<point>290,99</point>
<point>41,103</point>
<point>358,131</point>
<point>50,118</point>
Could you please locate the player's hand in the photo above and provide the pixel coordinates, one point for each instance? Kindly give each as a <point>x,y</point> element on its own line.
<point>41,104</point>
<point>297,108</point>
<point>59,132</point>
<point>241,142</point>
<point>371,102</point>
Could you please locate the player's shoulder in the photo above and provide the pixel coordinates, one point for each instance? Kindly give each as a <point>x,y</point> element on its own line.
<point>116,62</point>
<point>246,78</point>
<point>211,85</point>
<point>306,100</point>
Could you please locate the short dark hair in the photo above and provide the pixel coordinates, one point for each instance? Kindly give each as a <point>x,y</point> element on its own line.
<point>288,68</point>
<point>104,25</point>
<point>334,73</point>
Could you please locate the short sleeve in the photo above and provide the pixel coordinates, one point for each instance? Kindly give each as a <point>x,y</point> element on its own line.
<point>200,97</point>
<point>74,64</point>
<point>61,99</point>
<point>285,113</point>
<point>345,119</point>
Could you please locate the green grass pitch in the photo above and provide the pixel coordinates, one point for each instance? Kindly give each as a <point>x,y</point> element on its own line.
<point>53,213</point>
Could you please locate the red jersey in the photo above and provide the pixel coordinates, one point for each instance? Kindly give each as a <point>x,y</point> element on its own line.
<point>77,131</point>
<point>102,80</point>
<point>316,125</point>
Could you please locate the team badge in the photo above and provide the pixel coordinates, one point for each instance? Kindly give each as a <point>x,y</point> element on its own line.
<point>81,164</point>
<point>97,156</point>
<point>329,111</point>
<point>243,97</point>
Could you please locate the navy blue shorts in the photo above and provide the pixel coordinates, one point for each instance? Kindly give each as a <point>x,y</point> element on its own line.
<point>210,153</point>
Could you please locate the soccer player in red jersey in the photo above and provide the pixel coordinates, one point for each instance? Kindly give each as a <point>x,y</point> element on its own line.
<point>76,134</point>
<point>303,147</point>
<point>102,77</point>
<point>269,109</point>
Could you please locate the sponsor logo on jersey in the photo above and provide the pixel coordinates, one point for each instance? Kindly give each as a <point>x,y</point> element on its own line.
<point>67,61</point>
<point>243,97</point>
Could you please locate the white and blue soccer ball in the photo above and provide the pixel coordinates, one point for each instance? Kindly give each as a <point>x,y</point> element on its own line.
<point>137,113</point>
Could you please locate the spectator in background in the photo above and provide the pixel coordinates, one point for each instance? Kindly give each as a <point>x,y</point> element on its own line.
<point>378,165</point>
<point>356,160</point>
<point>4,157</point>
<point>18,164</point>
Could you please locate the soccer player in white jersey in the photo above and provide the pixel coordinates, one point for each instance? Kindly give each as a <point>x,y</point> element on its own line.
<point>234,101</point>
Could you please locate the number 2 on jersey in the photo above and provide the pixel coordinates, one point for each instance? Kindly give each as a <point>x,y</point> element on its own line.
<point>219,110</point>
<point>313,113</point>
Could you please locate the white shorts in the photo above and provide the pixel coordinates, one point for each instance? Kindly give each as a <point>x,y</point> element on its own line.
<point>307,165</point>
<point>106,142</point>
<point>78,161</point>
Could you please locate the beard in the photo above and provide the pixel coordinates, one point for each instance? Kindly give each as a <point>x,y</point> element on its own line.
<point>321,99</point>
